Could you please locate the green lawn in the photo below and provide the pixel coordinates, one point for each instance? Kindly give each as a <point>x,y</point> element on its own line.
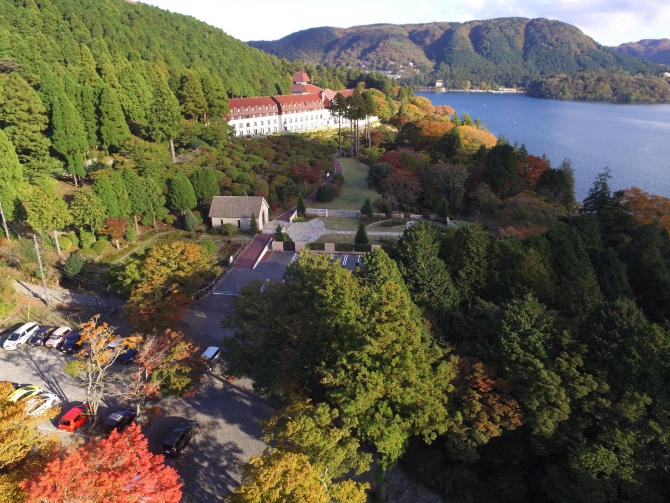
<point>336,238</point>
<point>378,228</point>
<point>354,192</point>
<point>340,224</point>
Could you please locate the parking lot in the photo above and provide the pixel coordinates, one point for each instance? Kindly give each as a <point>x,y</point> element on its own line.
<point>229,413</point>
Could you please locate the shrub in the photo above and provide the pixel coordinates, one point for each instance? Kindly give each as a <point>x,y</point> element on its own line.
<point>190,222</point>
<point>130,233</point>
<point>100,247</point>
<point>325,193</point>
<point>338,178</point>
<point>73,265</point>
<point>228,229</point>
<point>169,220</point>
<point>73,238</point>
<point>386,209</point>
<point>362,247</point>
<point>392,223</point>
<point>405,208</point>
<point>316,246</point>
<point>64,242</point>
<point>87,253</point>
<point>343,247</point>
<point>208,246</point>
<point>86,238</point>
<point>198,216</point>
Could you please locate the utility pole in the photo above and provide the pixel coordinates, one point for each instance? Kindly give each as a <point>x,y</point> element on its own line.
<point>4,223</point>
<point>44,280</point>
<point>57,244</point>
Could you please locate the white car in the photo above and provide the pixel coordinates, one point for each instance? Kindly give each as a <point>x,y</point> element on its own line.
<point>41,403</point>
<point>20,336</point>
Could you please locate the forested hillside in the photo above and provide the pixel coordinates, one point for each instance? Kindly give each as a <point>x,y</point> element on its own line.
<point>657,50</point>
<point>506,51</point>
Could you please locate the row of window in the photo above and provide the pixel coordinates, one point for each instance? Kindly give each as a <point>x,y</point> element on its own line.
<point>274,107</point>
<point>273,129</point>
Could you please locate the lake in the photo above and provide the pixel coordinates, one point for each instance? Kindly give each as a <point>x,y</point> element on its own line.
<point>632,140</point>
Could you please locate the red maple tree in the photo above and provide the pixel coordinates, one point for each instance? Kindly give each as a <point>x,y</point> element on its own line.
<point>117,469</point>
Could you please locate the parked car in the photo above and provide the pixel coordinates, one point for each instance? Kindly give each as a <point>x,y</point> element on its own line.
<point>20,336</point>
<point>71,343</point>
<point>128,356</point>
<point>211,356</point>
<point>115,343</point>
<point>25,392</point>
<point>41,336</point>
<point>179,438</point>
<point>74,418</point>
<point>119,421</point>
<point>41,403</point>
<point>57,337</point>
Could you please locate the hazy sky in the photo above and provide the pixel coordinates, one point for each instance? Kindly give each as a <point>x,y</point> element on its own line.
<point>609,22</point>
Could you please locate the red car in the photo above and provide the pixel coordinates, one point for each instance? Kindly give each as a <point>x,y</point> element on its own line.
<point>74,418</point>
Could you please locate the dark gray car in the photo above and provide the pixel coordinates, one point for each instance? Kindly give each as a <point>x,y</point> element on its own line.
<point>179,438</point>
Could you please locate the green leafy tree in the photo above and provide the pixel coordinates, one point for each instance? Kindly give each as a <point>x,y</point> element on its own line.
<point>361,237</point>
<point>205,184</point>
<point>113,128</point>
<point>24,120</point>
<point>447,146</point>
<point>366,209</point>
<point>190,222</point>
<point>376,175</point>
<point>181,194</point>
<point>102,187</point>
<point>46,211</point>
<point>301,208</point>
<point>253,224</point>
<point>164,121</point>
<point>191,97</point>
<point>88,211</point>
<point>69,137</point>
<point>424,273</point>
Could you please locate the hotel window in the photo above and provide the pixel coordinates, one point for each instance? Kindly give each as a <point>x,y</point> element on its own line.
<point>246,109</point>
<point>248,124</point>
<point>255,124</point>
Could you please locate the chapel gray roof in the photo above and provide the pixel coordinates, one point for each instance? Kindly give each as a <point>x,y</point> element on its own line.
<point>235,206</point>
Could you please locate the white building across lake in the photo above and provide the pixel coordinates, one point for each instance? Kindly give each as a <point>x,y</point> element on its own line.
<point>304,109</point>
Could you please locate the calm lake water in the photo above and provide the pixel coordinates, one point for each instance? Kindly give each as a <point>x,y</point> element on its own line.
<point>632,140</point>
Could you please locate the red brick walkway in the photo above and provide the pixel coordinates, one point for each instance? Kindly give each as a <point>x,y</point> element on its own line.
<point>253,251</point>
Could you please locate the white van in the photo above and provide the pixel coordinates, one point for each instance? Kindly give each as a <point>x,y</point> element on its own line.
<point>211,356</point>
<point>20,336</point>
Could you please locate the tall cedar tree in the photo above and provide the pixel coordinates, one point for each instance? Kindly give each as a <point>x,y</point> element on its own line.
<point>181,194</point>
<point>301,208</point>
<point>139,203</point>
<point>24,119</point>
<point>155,198</point>
<point>88,74</point>
<point>191,97</point>
<point>190,222</point>
<point>164,119</point>
<point>501,170</point>
<point>113,128</point>
<point>215,94</point>
<point>136,94</point>
<point>107,72</point>
<point>253,224</point>
<point>122,197</point>
<point>102,187</point>
<point>89,114</point>
<point>69,137</point>
<point>366,209</point>
<point>117,468</point>
<point>11,175</point>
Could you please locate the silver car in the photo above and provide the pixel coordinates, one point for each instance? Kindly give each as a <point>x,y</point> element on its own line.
<point>20,336</point>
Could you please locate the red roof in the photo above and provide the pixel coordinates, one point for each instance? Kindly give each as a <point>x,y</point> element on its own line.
<point>244,103</point>
<point>305,88</point>
<point>301,77</point>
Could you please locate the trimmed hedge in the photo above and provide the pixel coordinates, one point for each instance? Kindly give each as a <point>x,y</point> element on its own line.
<point>362,248</point>
<point>64,242</point>
<point>325,193</point>
<point>101,247</point>
<point>343,247</point>
<point>169,220</point>
<point>316,246</point>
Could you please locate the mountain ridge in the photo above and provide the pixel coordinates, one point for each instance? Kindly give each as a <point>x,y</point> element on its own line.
<point>504,51</point>
<point>656,50</point>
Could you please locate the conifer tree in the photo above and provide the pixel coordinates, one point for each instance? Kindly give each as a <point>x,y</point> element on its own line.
<point>155,198</point>
<point>136,94</point>
<point>51,87</point>
<point>87,67</point>
<point>113,128</point>
<point>302,209</point>
<point>107,72</point>
<point>102,187</point>
<point>122,198</point>
<point>190,222</point>
<point>69,137</point>
<point>366,209</point>
<point>215,94</point>
<point>191,97</point>
<point>181,194</point>
<point>11,174</point>
<point>253,224</point>
<point>139,202</point>
<point>443,209</point>
<point>361,237</point>
<point>164,119</point>
<point>204,184</point>
<point>24,119</point>
<point>87,109</point>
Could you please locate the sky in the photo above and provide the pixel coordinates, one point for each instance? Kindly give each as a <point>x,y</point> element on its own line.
<point>609,22</point>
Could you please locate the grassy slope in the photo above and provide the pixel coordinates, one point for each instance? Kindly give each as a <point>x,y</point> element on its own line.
<point>355,190</point>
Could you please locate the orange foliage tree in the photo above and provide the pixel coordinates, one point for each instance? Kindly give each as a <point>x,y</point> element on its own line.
<point>422,134</point>
<point>645,208</point>
<point>536,166</point>
<point>117,469</point>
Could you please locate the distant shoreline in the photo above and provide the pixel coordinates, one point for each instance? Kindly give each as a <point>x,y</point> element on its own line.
<point>490,91</point>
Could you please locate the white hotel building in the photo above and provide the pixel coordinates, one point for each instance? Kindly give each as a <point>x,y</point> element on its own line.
<point>304,109</point>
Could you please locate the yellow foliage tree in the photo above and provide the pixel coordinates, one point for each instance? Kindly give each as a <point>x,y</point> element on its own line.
<point>474,138</point>
<point>23,447</point>
<point>423,104</point>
